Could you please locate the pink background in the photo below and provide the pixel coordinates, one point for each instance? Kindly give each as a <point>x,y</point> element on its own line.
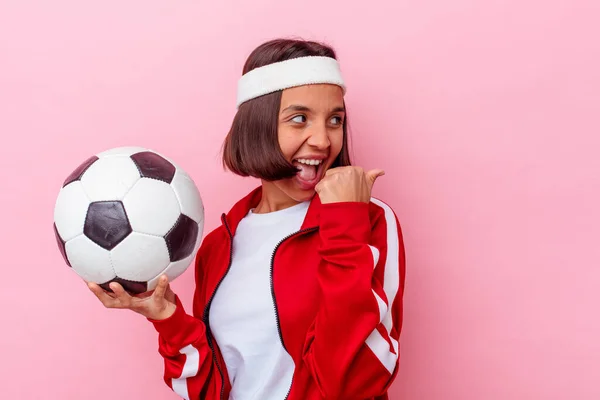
<point>485,115</point>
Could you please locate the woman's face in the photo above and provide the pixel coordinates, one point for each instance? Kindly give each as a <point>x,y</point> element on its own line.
<point>310,134</point>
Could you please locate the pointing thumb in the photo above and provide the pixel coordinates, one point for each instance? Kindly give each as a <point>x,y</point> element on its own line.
<point>373,174</point>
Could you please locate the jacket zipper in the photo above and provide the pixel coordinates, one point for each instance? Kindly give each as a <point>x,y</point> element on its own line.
<point>207,308</point>
<point>273,291</point>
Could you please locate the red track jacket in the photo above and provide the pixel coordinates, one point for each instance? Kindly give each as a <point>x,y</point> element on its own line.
<point>337,287</point>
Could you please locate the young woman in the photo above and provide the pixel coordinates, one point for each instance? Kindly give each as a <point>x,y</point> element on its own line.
<point>299,291</point>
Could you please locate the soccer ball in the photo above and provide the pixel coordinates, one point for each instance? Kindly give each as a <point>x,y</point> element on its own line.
<point>128,215</point>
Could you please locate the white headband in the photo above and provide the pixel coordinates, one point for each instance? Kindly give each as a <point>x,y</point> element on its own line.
<point>289,73</point>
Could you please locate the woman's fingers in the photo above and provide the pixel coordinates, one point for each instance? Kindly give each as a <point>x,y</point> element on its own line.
<point>161,288</point>
<point>122,296</point>
<point>108,301</point>
<point>158,304</point>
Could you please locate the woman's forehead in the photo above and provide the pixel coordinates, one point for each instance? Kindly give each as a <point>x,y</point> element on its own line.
<point>313,96</point>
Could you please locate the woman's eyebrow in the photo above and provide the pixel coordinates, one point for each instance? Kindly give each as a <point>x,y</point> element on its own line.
<point>297,107</point>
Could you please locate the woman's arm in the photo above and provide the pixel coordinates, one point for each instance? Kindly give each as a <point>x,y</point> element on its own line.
<point>188,359</point>
<point>352,347</point>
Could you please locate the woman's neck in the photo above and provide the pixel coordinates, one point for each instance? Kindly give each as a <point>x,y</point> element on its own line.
<point>273,199</point>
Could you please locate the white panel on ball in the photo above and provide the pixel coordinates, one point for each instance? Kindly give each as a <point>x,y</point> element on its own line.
<point>110,178</point>
<point>189,197</point>
<point>152,207</point>
<point>174,269</point>
<point>88,260</point>
<point>121,151</point>
<point>140,257</point>
<point>70,210</point>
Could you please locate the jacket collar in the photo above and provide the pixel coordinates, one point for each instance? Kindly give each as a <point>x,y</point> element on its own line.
<point>251,200</point>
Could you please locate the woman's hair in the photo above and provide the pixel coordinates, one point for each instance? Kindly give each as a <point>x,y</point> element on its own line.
<point>251,147</point>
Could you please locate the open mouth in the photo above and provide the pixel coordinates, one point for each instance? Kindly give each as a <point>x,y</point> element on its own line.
<point>309,171</point>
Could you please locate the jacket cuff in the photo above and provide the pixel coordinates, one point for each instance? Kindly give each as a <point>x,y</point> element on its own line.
<point>345,221</point>
<point>170,328</point>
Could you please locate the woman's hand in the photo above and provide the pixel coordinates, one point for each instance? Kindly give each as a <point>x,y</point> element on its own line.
<point>158,304</point>
<point>344,184</point>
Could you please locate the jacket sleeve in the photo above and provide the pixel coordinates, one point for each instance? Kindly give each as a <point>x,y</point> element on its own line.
<point>352,347</point>
<point>188,359</point>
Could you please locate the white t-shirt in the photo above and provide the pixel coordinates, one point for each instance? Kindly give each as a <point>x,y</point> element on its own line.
<point>242,314</point>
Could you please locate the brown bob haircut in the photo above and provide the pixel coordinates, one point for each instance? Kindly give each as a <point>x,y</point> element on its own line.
<point>251,147</point>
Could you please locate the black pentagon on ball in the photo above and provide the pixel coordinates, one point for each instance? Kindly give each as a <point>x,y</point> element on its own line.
<point>61,245</point>
<point>182,238</point>
<point>78,172</point>
<point>131,287</point>
<point>151,165</point>
<point>106,223</point>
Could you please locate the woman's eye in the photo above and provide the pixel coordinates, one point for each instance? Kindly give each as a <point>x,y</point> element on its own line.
<point>300,119</point>
<point>337,120</point>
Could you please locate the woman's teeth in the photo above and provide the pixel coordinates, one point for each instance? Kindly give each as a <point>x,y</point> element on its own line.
<point>309,162</point>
